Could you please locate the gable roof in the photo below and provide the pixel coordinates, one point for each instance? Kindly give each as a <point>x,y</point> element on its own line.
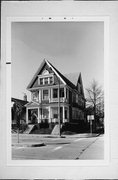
<point>22,102</point>
<point>73,77</point>
<point>32,103</point>
<point>35,75</point>
<point>69,79</point>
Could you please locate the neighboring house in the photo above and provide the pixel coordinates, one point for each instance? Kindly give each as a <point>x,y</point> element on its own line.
<point>45,87</point>
<point>22,104</point>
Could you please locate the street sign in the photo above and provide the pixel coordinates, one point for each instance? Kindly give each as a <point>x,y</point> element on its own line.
<point>90,117</point>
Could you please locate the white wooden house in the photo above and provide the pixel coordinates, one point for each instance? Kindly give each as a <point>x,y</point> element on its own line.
<point>51,91</point>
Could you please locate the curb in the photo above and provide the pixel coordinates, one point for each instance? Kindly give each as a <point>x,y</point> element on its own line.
<point>28,145</point>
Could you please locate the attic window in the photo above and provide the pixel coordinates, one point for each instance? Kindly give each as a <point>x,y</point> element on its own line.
<point>41,81</point>
<point>46,80</point>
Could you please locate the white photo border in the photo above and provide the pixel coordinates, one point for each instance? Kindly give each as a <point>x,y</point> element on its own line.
<point>104,162</point>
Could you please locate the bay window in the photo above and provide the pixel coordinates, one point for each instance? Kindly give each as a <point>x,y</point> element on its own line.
<point>55,93</point>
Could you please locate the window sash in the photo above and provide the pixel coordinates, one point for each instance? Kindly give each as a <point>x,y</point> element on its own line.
<point>45,113</point>
<point>55,93</point>
<point>45,94</point>
<point>46,80</point>
<point>35,96</point>
<point>61,92</point>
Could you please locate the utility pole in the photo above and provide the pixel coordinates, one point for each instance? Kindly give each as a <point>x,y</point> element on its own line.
<point>59,108</point>
<point>59,121</point>
<point>91,126</point>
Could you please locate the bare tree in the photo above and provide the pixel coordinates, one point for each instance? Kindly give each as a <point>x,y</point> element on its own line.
<point>95,100</point>
<point>17,110</point>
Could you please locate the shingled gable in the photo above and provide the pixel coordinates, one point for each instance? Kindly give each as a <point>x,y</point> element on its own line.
<point>39,70</point>
<point>64,79</point>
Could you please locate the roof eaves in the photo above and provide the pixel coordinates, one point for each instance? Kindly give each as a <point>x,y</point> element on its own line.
<point>35,75</point>
<point>59,75</point>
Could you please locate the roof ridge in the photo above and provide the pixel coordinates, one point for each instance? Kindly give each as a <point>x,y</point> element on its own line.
<point>57,72</point>
<point>65,78</point>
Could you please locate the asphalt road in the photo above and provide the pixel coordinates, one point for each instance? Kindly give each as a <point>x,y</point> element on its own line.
<point>59,148</point>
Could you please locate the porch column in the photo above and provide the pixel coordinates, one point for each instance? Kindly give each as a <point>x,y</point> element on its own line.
<point>39,96</point>
<point>26,115</point>
<point>65,92</point>
<point>49,114</point>
<point>68,114</point>
<point>38,116</point>
<point>51,94</point>
<point>63,114</point>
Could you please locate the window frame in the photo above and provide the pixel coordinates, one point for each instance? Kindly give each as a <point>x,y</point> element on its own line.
<point>53,93</point>
<point>37,99</point>
<point>63,92</point>
<point>46,76</point>
<point>43,94</point>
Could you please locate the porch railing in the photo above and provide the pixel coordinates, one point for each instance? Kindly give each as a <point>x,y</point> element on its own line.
<point>56,100</point>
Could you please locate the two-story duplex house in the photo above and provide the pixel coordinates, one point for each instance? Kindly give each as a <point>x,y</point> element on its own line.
<point>51,91</point>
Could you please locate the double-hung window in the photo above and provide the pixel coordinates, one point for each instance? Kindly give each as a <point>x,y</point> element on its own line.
<point>51,80</point>
<point>46,80</point>
<point>61,92</point>
<point>41,81</point>
<point>35,96</point>
<point>45,94</point>
<point>55,93</point>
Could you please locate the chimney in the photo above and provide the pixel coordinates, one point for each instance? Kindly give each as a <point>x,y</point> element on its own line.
<point>25,97</point>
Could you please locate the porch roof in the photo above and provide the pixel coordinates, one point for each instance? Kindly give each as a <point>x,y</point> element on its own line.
<point>32,104</point>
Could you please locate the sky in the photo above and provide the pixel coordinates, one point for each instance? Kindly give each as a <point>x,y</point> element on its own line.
<point>70,46</point>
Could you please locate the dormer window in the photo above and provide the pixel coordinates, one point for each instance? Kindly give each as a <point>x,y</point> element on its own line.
<point>41,81</point>
<point>51,80</point>
<point>45,79</point>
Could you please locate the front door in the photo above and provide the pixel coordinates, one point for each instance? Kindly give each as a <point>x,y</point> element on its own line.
<point>33,116</point>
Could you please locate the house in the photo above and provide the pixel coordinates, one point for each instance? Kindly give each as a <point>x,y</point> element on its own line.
<point>20,103</point>
<point>54,96</point>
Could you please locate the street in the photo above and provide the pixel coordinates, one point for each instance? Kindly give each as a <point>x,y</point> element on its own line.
<point>70,147</point>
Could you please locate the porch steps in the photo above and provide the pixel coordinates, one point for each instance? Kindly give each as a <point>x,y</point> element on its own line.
<point>55,130</point>
<point>29,129</point>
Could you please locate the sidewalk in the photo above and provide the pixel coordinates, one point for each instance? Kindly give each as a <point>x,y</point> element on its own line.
<point>36,140</point>
<point>83,135</point>
<point>94,151</point>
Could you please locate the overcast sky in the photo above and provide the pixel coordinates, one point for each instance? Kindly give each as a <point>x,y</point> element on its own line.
<point>69,46</point>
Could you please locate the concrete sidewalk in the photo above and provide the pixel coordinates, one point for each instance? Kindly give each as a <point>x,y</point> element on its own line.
<point>36,140</point>
<point>82,135</point>
<point>94,151</point>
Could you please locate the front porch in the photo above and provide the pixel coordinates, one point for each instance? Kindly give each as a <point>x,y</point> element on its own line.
<point>47,114</point>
